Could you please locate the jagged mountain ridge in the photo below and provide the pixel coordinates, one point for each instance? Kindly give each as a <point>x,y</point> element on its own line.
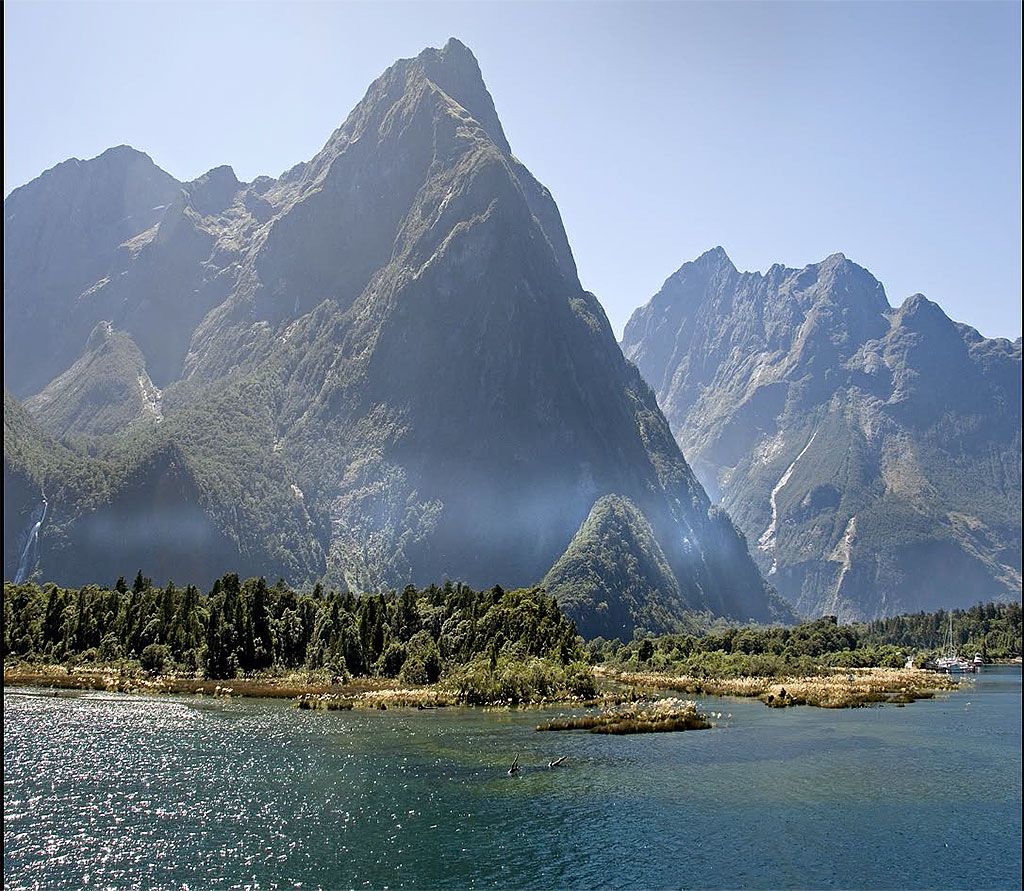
<point>384,368</point>
<point>871,455</point>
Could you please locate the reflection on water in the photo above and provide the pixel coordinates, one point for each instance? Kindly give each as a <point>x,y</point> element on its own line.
<point>116,791</point>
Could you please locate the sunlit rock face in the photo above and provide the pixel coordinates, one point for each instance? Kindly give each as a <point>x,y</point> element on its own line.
<point>871,455</point>
<point>378,368</point>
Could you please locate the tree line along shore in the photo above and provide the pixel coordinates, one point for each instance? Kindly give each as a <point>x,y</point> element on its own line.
<point>451,644</point>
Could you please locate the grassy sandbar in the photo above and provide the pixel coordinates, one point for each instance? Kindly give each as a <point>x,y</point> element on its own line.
<point>661,716</point>
<point>847,688</point>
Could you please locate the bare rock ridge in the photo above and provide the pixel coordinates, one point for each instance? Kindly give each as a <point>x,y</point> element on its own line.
<point>871,455</point>
<point>378,368</point>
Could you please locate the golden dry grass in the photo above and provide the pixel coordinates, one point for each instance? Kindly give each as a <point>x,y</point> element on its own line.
<point>111,680</point>
<point>308,691</point>
<point>661,716</point>
<point>843,689</point>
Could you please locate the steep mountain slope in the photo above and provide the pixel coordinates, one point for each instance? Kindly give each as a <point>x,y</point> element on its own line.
<point>873,455</point>
<point>105,391</point>
<point>382,366</point>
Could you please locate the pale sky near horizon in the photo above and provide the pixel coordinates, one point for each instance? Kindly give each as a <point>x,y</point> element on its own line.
<point>785,132</point>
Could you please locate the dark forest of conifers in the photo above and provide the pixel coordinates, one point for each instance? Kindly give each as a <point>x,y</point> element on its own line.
<point>242,628</point>
<point>239,628</point>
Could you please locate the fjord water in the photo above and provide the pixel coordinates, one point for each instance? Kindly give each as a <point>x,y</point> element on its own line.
<point>116,791</point>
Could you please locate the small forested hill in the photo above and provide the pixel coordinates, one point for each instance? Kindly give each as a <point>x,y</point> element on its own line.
<point>378,368</point>
<point>614,575</point>
<point>871,455</point>
<point>615,581</point>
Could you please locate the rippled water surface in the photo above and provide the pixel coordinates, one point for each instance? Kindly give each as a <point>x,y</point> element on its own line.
<point>136,792</point>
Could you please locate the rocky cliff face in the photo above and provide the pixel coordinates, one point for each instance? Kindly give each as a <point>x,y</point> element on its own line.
<point>379,368</point>
<point>872,456</point>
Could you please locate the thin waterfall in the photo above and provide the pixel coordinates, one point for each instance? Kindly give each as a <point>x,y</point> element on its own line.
<point>39,517</point>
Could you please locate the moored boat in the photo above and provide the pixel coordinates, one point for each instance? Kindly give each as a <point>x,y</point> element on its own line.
<point>952,662</point>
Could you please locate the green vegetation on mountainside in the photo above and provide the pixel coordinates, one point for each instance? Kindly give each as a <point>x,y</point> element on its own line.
<point>614,579</point>
<point>107,390</point>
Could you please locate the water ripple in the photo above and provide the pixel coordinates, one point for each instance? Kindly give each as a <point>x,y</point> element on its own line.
<point>107,791</point>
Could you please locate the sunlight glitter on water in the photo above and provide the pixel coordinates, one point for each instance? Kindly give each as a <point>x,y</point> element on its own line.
<point>140,792</point>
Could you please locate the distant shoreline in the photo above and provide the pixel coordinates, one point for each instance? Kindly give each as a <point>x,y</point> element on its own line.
<point>360,692</point>
<point>841,689</point>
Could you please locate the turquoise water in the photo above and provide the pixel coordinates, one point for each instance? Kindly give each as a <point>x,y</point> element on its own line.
<point>135,792</point>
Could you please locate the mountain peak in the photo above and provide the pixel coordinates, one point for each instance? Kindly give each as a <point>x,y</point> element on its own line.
<point>915,301</point>
<point>456,48</point>
<point>116,152</point>
<point>716,256</point>
<point>848,283</point>
<point>99,335</point>
<point>222,173</point>
<point>710,262</point>
<point>117,161</point>
<point>214,190</point>
<point>455,70</point>
<point>921,315</point>
<point>455,56</point>
<point>917,304</point>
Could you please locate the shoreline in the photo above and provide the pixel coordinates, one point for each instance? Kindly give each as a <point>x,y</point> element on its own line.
<point>842,689</point>
<point>845,688</point>
<point>111,680</point>
<point>372,693</point>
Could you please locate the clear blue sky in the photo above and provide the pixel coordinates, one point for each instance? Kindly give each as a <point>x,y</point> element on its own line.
<point>782,131</point>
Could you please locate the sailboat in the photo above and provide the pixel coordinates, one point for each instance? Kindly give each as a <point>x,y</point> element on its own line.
<point>951,661</point>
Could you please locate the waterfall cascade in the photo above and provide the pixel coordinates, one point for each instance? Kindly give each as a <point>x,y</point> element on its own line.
<point>27,555</point>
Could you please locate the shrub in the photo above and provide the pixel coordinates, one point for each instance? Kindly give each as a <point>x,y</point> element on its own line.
<point>154,658</point>
<point>85,657</point>
<point>579,680</point>
<point>423,660</point>
<point>392,660</point>
<point>110,649</point>
<point>516,680</point>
